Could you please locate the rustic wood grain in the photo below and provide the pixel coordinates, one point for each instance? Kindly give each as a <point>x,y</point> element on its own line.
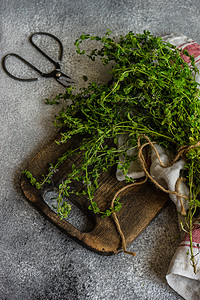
<point>140,203</point>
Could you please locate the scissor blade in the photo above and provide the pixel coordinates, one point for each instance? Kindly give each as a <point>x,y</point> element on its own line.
<point>65,80</point>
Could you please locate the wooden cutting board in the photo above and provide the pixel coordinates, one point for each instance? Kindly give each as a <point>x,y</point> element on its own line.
<point>140,203</point>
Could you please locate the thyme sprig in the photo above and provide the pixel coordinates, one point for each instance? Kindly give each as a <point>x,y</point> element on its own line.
<point>152,92</point>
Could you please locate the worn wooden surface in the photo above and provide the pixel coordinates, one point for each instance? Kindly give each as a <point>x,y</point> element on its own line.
<point>140,203</point>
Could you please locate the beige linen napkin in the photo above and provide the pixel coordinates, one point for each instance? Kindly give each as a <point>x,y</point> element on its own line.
<point>180,275</point>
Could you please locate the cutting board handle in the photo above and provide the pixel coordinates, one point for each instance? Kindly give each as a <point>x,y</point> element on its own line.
<point>94,240</point>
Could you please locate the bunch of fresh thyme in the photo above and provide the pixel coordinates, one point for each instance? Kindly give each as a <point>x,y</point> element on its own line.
<point>153,92</point>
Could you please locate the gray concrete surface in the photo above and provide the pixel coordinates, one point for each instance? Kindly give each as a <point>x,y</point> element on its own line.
<point>37,261</point>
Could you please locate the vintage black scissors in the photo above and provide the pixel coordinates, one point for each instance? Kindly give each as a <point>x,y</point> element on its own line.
<point>62,78</point>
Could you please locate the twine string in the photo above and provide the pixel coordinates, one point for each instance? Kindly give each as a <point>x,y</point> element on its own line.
<point>116,219</point>
<point>177,185</point>
<point>144,167</point>
<point>181,151</point>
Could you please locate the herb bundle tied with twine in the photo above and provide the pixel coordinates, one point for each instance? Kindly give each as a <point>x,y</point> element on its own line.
<point>152,98</point>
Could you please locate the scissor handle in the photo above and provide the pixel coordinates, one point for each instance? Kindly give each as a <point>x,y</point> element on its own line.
<point>56,64</point>
<point>24,61</point>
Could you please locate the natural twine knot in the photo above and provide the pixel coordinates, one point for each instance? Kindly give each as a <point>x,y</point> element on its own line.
<point>181,152</point>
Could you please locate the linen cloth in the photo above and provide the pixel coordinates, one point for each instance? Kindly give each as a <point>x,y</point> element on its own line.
<point>180,275</point>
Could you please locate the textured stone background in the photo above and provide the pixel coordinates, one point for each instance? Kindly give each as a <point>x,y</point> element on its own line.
<point>37,261</point>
